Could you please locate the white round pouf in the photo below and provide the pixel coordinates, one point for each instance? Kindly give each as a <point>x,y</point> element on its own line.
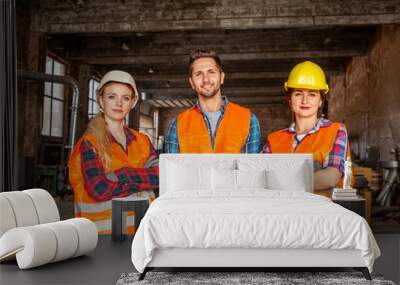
<point>87,234</point>
<point>66,238</point>
<point>45,205</point>
<point>7,216</point>
<point>23,208</point>
<point>33,246</point>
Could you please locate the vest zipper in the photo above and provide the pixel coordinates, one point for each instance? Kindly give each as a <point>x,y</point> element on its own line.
<point>216,128</point>
<point>208,124</point>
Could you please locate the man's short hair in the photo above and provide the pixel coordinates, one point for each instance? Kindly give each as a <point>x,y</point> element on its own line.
<point>201,53</point>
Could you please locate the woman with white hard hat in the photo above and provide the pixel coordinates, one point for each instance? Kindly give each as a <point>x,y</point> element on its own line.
<point>306,91</point>
<point>111,160</point>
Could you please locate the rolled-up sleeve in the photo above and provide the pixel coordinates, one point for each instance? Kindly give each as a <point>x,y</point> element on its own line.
<point>337,156</point>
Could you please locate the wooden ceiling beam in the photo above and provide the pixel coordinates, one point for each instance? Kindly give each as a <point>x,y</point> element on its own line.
<point>223,42</point>
<point>248,66</point>
<point>183,78</point>
<point>240,100</point>
<point>183,59</point>
<point>153,15</point>
<point>188,93</point>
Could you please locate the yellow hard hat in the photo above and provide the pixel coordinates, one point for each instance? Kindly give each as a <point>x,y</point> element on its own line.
<point>307,75</point>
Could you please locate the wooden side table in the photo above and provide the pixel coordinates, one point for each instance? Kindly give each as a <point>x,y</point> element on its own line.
<point>357,205</point>
<point>119,208</point>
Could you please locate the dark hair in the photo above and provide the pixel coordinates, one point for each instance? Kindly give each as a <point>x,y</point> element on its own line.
<point>201,53</point>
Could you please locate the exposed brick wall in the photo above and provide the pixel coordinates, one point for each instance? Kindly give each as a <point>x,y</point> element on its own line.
<point>367,97</point>
<point>336,103</point>
<point>384,89</point>
<point>356,104</point>
<point>272,118</point>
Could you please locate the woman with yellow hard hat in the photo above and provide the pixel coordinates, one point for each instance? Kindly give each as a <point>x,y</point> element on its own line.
<point>306,90</point>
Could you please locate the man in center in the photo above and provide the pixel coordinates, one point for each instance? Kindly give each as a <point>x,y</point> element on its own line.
<point>213,125</point>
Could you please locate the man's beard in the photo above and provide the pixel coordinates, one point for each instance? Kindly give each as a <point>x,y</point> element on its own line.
<point>209,94</point>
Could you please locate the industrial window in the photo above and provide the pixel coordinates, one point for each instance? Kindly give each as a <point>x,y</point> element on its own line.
<point>53,100</point>
<point>93,106</point>
<point>146,126</point>
<point>127,120</point>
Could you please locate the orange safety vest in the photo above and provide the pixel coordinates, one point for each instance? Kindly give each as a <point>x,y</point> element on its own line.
<point>319,144</point>
<point>100,212</point>
<point>232,132</point>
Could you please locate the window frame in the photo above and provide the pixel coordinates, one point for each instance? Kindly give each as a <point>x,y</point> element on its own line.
<point>91,100</point>
<point>65,100</point>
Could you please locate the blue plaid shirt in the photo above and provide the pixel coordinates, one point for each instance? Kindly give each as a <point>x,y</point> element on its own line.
<point>253,140</point>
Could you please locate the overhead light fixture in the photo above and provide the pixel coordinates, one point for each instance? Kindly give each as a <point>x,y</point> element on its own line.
<point>168,84</point>
<point>124,46</point>
<point>327,41</point>
<point>143,96</point>
<point>151,70</point>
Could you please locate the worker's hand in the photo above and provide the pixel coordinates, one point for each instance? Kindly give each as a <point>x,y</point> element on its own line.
<point>112,176</point>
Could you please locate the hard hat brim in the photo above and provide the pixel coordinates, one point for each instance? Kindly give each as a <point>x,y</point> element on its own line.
<point>305,86</point>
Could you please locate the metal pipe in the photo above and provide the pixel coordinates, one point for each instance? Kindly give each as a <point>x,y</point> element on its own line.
<point>75,96</point>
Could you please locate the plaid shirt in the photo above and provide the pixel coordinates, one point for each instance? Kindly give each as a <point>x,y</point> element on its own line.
<point>336,157</point>
<point>122,182</point>
<point>253,140</point>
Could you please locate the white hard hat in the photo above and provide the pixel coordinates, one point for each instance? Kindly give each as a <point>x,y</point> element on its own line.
<point>118,76</point>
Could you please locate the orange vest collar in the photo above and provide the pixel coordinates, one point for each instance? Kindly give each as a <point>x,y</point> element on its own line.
<point>320,143</point>
<point>231,135</point>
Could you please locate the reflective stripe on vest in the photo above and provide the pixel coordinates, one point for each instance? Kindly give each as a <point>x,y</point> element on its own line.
<point>231,134</point>
<point>103,221</point>
<point>320,143</point>
<point>104,226</point>
<point>85,206</point>
<point>91,208</point>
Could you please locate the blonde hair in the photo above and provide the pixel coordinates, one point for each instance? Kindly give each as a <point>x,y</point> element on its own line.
<point>98,128</point>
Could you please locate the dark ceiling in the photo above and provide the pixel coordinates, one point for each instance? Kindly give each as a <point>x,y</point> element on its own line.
<point>256,62</point>
<point>258,41</point>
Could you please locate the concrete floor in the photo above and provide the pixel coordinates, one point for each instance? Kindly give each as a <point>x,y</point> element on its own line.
<point>387,236</point>
<point>111,259</point>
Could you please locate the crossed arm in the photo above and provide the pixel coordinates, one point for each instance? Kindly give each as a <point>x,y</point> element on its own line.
<point>102,185</point>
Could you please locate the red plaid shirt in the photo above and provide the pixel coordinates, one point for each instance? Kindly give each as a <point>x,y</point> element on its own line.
<point>102,186</point>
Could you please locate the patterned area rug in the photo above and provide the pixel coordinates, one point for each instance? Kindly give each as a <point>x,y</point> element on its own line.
<point>231,278</point>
